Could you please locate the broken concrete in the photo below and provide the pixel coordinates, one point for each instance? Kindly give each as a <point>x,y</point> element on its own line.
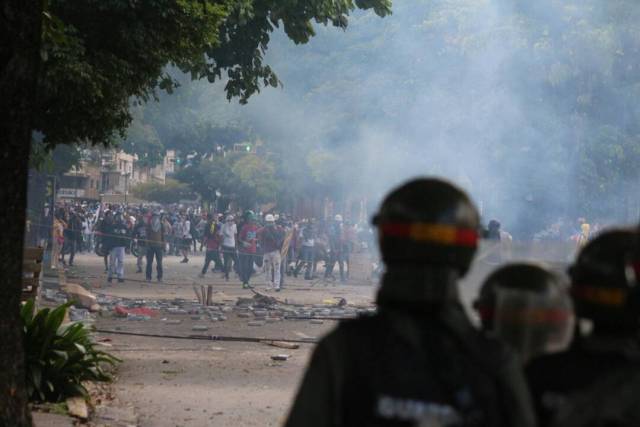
<point>82,297</point>
<point>78,408</point>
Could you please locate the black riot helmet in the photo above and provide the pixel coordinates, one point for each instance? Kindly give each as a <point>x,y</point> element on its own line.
<point>429,222</point>
<point>604,283</point>
<point>528,307</point>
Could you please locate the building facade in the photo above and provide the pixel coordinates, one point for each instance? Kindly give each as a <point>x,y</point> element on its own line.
<point>110,176</point>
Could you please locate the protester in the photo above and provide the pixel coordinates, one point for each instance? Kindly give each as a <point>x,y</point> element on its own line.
<point>339,249</point>
<point>200,231</point>
<point>248,247</point>
<point>185,237</point>
<point>155,236</point>
<point>307,260</point>
<point>140,234</point>
<point>228,232</point>
<point>271,238</point>
<point>211,240</point>
<point>58,237</point>
<point>116,239</point>
<point>87,230</point>
<point>72,236</point>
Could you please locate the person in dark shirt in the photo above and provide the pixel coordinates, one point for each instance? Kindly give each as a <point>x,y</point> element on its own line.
<point>338,249</point>
<point>247,247</point>
<point>116,239</point>
<point>155,245</point>
<point>211,239</point>
<point>139,233</point>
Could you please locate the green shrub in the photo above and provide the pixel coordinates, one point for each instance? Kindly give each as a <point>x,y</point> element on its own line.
<point>59,357</point>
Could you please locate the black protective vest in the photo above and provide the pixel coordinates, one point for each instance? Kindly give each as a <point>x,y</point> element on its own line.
<point>400,369</point>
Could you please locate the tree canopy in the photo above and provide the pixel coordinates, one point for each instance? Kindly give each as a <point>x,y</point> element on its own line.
<point>98,55</point>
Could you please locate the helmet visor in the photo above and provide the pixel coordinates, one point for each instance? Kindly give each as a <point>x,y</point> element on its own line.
<point>534,323</point>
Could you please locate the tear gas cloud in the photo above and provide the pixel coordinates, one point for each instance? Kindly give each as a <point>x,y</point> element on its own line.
<point>510,100</point>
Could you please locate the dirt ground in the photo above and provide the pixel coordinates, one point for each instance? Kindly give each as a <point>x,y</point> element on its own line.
<point>170,382</point>
<point>207,383</point>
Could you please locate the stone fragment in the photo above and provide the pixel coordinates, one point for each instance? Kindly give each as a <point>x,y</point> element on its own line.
<point>82,297</point>
<point>244,315</point>
<point>281,357</point>
<point>200,328</point>
<point>316,321</point>
<point>77,407</point>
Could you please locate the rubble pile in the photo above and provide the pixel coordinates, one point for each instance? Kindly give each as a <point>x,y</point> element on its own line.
<point>256,311</point>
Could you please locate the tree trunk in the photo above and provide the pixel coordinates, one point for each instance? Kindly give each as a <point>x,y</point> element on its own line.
<point>20,31</point>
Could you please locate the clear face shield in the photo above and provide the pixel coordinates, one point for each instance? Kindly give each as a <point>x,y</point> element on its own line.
<point>534,323</point>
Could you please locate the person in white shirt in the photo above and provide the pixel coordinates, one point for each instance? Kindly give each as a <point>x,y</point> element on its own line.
<point>87,230</point>
<point>185,238</point>
<point>228,231</point>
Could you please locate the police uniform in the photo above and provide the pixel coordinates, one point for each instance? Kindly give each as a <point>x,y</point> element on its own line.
<point>596,381</point>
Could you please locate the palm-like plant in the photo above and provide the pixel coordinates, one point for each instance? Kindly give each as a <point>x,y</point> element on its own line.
<point>59,357</point>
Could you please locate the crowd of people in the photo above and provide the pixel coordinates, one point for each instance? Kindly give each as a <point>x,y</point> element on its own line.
<point>242,243</point>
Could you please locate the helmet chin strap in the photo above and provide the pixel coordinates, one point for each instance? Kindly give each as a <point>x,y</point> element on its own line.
<point>418,286</point>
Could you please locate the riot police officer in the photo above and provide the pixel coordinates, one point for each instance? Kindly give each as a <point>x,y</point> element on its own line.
<point>596,381</point>
<point>418,361</point>
<point>528,307</point>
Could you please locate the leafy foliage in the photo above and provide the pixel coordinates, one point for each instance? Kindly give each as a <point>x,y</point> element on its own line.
<point>59,357</point>
<point>245,178</point>
<point>143,141</point>
<point>256,180</point>
<point>171,192</point>
<point>245,35</point>
<point>99,54</point>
